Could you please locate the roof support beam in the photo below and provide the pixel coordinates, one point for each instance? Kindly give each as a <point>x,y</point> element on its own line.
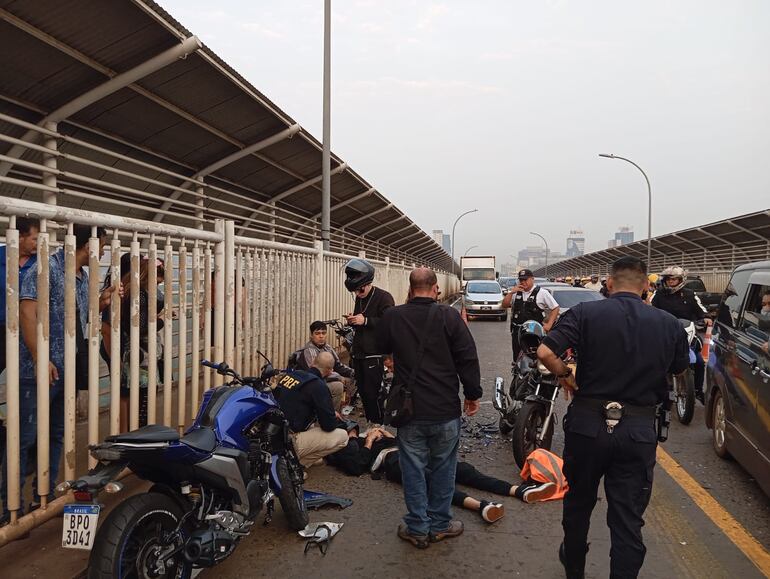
<point>380,226</point>
<point>250,149</point>
<point>299,187</point>
<point>397,231</point>
<point>368,215</point>
<point>113,85</point>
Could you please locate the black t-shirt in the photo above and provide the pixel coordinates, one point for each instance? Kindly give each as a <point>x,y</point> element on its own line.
<point>372,307</point>
<point>304,398</point>
<point>624,348</point>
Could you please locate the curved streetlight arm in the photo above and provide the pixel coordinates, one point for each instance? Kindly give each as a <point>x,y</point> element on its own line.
<point>453,233</point>
<point>649,200</point>
<point>546,250</point>
<point>467,250</point>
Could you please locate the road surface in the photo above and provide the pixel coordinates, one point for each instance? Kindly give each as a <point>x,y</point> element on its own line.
<point>728,537</point>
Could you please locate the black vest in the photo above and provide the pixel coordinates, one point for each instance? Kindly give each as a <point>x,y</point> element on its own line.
<point>525,310</point>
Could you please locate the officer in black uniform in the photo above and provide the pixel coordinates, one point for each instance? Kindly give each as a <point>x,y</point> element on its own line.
<point>530,302</point>
<point>624,351</point>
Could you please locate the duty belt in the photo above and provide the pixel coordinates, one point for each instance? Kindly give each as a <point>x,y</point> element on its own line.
<point>613,411</point>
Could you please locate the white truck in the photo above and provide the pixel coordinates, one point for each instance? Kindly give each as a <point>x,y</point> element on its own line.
<point>477,267</point>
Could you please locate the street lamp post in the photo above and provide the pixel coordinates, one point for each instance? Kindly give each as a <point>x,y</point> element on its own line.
<point>649,202</point>
<point>453,233</point>
<point>546,250</point>
<point>467,250</point>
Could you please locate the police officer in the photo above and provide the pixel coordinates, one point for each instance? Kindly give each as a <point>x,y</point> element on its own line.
<point>624,350</point>
<point>682,303</point>
<point>530,302</point>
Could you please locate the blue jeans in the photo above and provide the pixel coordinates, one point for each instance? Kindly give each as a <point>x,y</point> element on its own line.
<point>428,461</point>
<point>28,435</point>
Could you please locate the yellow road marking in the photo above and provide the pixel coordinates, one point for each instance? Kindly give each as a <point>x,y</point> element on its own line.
<point>740,537</point>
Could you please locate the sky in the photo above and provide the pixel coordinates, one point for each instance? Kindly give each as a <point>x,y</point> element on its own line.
<point>504,106</point>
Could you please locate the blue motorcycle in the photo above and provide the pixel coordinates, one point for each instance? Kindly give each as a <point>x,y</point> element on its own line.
<point>209,485</point>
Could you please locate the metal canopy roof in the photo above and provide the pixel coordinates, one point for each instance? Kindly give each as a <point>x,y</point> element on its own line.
<point>721,245</point>
<point>189,116</point>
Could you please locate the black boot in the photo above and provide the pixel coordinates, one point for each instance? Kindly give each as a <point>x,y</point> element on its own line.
<point>574,572</point>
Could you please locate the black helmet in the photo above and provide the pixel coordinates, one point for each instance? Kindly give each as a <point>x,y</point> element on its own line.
<point>358,273</point>
<point>531,333</point>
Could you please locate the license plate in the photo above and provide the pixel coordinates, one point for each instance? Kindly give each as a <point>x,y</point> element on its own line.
<point>486,307</point>
<point>79,528</point>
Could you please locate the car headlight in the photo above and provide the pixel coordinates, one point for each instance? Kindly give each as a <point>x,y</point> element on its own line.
<point>469,302</point>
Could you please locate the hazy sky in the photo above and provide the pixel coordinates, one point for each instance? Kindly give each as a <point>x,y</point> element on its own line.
<point>504,106</point>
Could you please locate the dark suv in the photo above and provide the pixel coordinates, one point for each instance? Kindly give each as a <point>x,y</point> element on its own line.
<point>738,373</point>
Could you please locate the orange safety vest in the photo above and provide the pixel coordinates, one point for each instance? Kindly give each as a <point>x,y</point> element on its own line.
<point>543,466</point>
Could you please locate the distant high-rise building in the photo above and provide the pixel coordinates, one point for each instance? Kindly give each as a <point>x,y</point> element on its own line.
<point>624,236</point>
<point>576,243</point>
<point>443,239</point>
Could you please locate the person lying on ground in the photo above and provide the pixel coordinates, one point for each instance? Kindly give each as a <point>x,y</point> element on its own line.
<point>305,400</point>
<point>378,454</point>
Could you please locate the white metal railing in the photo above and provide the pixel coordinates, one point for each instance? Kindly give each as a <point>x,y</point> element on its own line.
<point>224,298</point>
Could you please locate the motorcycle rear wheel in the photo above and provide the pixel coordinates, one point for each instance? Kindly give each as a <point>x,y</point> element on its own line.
<point>125,542</point>
<point>685,397</point>
<point>292,495</point>
<point>529,425</point>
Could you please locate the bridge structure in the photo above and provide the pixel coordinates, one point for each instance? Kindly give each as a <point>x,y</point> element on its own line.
<point>711,251</point>
<point>114,115</point>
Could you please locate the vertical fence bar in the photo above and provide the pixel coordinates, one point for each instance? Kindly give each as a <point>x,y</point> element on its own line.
<point>229,292</point>
<point>255,316</point>
<point>168,331</point>
<point>239,311</point>
<point>152,331</point>
<point>207,315</point>
<point>70,349</point>
<point>272,334</point>
<point>294,299</point>
<point>94,334</point>
<point>318,280</point>
<point>248,264</point>
<point>12,340</point>
<point>42,373</point>
<point>133,355</point>
<point>115,361</point>
<point>196,330</point>
<point>280,290</point>
<point>182,348</point>
<point>219,300</point>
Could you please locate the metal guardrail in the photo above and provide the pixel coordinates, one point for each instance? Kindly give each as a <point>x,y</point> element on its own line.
<point>225,297</point>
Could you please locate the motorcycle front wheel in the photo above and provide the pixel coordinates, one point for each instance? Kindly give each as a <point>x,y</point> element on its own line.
<point>128,541</point>
<point>527,431</point>
<point>684,388</point>
<point>292,494</point>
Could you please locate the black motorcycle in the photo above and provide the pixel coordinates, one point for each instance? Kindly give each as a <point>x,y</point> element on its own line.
<point>527,408</point>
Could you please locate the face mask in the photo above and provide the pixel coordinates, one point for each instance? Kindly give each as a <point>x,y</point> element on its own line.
<point>765,310</point>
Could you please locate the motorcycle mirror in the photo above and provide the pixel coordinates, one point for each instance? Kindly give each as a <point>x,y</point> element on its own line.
<point>267,372</point>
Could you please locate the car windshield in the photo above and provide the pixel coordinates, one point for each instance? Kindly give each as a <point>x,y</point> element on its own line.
<point>695,285</point>
<point>569,299</point>
<point>477,287</point>
<point>507,282</point>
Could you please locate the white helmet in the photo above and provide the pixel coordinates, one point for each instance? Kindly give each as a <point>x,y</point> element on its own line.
<point>673,272</point>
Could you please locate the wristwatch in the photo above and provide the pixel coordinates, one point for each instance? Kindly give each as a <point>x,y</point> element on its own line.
<point>567,373</point>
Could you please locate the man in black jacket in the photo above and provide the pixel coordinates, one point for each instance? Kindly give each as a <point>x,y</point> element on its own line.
<point>682,303</point>
<point>428,443</point>
<point>371,303</point>
<point>305,399</point>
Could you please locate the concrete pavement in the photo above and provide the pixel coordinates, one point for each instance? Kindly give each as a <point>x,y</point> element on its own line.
<point>682,540</point>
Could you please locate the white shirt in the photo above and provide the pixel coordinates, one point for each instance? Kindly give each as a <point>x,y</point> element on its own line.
<point>544,301</point>
<point>596,286</point>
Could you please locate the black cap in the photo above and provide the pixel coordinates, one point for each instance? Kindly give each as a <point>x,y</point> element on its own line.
<point>525,273</point>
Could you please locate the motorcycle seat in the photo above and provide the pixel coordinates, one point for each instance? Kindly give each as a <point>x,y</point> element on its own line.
<point>146,434</point>
<point>202,439</point>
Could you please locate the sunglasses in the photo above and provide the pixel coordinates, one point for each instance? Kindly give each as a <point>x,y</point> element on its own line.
<point>362,289</point>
